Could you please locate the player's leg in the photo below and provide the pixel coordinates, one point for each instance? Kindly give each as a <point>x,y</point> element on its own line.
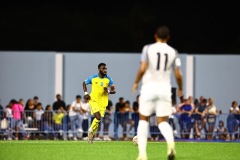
<point>96,120</point>
<point>142,133</point>
<point>167,133</point>
<point>146,108</point>
<point>163,111</point>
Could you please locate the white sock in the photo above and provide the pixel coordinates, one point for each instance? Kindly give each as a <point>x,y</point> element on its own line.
<point>167,133</point>
<point>142,134</point>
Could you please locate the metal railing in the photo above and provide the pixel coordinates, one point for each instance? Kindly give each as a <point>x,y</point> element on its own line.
<point>52,125</point>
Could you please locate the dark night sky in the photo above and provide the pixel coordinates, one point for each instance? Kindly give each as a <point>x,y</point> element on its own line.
<point>117,26</point>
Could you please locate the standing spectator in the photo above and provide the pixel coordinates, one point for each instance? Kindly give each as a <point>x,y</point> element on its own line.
<point>35,101</point>
<point>185,118</point>
<point>47,121</point>
<point>211,113</point>
<point>1,111</point>
<point>86,115</point>
<point>18,116</point>
<point>9,116</point>
<point>67,125</point>
<point>200,118</point>
<point>107,120</point>
<point>118,116</point>
<point>21,101</point>
<point>58,103</point>
<point>37,118</point>
<point>171,117</point>
<point>58,121</point>
<point>75,117</point>
<point>29,111</point>
<point>154,130</point>
<point>127,110</point>
<point>1,115</point>
<point>135,114</point>
<point>232,122</point>
<point>195,104</point>
<point>201,98</point>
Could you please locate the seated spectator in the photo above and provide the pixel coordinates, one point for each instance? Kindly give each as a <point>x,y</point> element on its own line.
<point>221,132</point>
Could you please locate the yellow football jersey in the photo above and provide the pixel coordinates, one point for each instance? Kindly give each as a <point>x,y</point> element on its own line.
<point>98,94</point>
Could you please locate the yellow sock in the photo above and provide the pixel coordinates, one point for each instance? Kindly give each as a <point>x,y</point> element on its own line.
<point>94,125</point>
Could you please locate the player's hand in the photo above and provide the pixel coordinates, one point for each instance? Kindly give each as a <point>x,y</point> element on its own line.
<point>134,87</point>
<point>112,92</point>
<point>105,89</point>
<point>87,96</point>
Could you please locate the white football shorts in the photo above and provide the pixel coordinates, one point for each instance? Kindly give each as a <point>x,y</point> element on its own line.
<point>155,99</point>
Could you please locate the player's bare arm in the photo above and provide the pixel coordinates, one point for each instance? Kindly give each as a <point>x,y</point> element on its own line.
<point>142,69</point>
<point>87,96</point>
<point>178,76</point>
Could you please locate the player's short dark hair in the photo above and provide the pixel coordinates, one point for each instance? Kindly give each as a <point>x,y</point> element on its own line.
<point>101,64</point>
<point>163,32</point>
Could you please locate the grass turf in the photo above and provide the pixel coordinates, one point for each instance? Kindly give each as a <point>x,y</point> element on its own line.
<point>116,150</point>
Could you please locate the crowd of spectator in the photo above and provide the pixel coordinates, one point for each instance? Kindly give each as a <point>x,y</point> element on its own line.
<point>191,119</point>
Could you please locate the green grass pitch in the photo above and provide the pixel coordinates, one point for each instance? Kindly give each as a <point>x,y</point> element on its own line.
<point>115,150</point>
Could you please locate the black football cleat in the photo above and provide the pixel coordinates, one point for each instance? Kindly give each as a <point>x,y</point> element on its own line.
<point>171,156</point>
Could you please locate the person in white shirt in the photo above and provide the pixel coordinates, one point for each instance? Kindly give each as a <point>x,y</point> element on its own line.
<point>211,113</point>
<point>9,116</point>
<point>85,107</point>
<point>157,61</point>
<point>75,115</point>
<point>37,116</point>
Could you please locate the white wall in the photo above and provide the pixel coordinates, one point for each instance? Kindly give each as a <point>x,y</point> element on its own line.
<point>218,76</point>
<point>26,74</point>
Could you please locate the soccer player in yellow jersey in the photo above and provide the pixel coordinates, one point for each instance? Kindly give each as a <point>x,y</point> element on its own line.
<point>102,85</point>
